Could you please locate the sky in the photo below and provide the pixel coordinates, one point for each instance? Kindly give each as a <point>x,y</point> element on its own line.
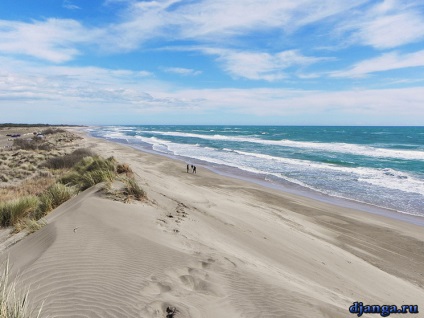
<point>241,62</point>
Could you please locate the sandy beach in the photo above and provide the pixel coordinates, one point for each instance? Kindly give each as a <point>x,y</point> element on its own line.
<point>206,245</point>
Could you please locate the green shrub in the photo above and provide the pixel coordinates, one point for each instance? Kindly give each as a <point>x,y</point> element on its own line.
<point>13,211</point>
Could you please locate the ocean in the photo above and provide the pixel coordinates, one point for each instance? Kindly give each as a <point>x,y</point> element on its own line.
<point>378,166</point>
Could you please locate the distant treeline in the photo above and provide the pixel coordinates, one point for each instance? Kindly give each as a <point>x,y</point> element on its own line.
<point>36,125</point>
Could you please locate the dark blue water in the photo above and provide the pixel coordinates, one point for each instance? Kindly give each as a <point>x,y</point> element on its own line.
<point>381,166</point>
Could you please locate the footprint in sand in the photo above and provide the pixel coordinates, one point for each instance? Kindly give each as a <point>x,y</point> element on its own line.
<point>156,288</point>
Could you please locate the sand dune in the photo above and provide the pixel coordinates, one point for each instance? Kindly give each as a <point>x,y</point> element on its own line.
<point>211,246</point>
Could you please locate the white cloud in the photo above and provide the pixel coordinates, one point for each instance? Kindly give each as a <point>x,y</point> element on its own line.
<point>387,24</point>
<point>209,21</point>
<point>259,65</point>
<point>392,30</point>
<point>91,91</point>
<point>222,18</point>
<point>142,21</point>
<point>385,62</point>
<point>182,71</point>
<point>28,81</point>
<point>368,104</point>
<point>67,4</point>
<point>53,40</point>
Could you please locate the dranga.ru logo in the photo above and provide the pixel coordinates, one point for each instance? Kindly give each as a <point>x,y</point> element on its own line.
<point>385,310</point>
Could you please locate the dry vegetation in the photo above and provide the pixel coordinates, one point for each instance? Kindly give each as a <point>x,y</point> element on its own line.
<point>20,157</point>
<point>38,174</point>
<point>14,304</point>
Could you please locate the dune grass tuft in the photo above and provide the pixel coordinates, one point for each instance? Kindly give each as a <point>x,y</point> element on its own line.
<point>91,171</point>
<point>19,211</point>
<point>133,190</point>
<point>51,131</point>
<point>124,168</point>
<point>96,163</point>
<point>69,160</point>
<point>54,196</point>
<point>31,225</point>
<point>31,144</point>
<point>13,304</point>
<point>13,211</point>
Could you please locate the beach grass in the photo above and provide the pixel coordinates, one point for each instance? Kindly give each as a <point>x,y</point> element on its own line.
<point>54,196</point>
<point>51,131</point>
<point>124,168</point>
<point>29,224</point>
<point>68,160</point>
<point>13,211</point>
<point>27,204</point>
<point>90,171</point>
<point>32,144</point>
<point>14,304</point>
<point>40,171</point>
<point>133,190</point>
<point>31,186</point>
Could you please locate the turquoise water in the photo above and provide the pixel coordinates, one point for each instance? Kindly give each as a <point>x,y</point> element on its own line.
<point>380,166</point>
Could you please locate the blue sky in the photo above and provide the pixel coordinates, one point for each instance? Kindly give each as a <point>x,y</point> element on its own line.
<point>267,62</point>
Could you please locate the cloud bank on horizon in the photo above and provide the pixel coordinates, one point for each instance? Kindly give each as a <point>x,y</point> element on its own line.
<point>331,62</point>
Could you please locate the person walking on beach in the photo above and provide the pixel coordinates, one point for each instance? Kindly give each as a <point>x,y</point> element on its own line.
<point>194,169</point>
<point>187,167</point>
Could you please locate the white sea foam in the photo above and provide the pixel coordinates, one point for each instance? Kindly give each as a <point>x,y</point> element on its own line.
<point>116,135</point>
<point>385,178</point>
<point>280,167</point>
<point>354,149</point>
<point>396,180</point>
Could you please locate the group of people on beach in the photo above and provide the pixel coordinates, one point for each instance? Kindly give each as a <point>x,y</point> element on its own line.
<point>193,168</point>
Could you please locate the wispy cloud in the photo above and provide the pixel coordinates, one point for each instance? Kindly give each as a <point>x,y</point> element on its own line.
<point>386,24</point>
<point>366,105</point>
<point>260,65</point>
<point>54,40</point>
<point>86,85</point>
<point>211,19</point>
<point>67,4</point>
<point>385,62</point>
<point>216,21</point>
<point>182,71</point>
<point>140,22</point>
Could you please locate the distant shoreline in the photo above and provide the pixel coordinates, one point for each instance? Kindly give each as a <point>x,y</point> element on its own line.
<point>11,125</point>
